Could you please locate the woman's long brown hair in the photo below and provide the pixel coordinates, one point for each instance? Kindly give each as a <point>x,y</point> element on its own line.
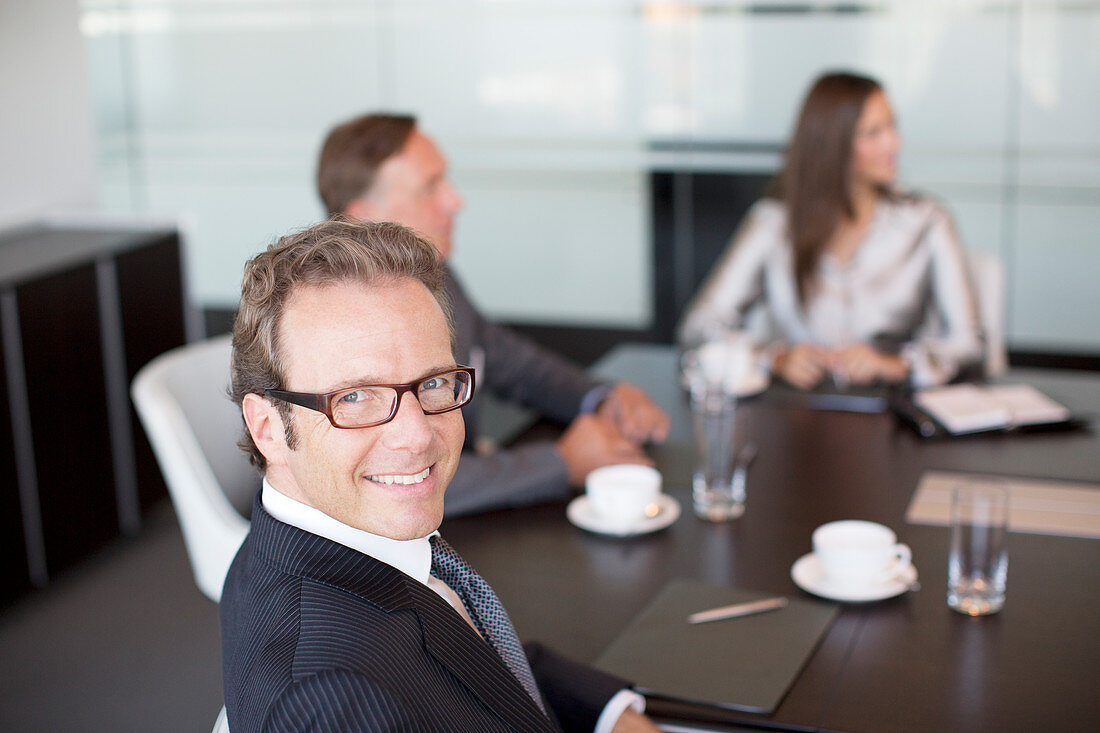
<point>815,182</point>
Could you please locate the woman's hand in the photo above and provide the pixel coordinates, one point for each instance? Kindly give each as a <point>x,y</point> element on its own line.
<point>864,364</point>
<point>803,365</point>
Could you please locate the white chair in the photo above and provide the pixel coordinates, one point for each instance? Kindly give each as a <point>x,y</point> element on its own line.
<point>193,427</point>
<point>988,273</point>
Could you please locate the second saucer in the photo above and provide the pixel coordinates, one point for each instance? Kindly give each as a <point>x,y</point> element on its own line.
<point>808,575</point>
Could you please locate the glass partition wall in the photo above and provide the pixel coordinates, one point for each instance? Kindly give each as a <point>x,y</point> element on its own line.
<point>563,120</point>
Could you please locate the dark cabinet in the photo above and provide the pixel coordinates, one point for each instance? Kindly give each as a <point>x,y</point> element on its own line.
<point>16,578</point>
<point>81,311</point>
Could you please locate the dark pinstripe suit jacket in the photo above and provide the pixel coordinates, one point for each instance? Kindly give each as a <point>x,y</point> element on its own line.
<point>317,636</point>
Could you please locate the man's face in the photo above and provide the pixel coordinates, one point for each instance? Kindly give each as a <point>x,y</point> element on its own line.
<point>411,188</point>
<point>348,335</point>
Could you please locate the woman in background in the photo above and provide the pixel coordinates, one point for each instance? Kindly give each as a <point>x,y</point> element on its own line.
<point>860,282</point>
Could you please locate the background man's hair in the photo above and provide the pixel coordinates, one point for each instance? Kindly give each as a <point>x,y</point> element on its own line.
<point>329,253</point>
<point>352,154</point>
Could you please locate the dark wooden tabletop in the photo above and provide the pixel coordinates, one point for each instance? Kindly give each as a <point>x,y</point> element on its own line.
<point>908,663</point>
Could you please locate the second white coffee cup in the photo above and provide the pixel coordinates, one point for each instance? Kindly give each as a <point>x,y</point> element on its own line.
<point>623,494</point>
<point>853,552</point>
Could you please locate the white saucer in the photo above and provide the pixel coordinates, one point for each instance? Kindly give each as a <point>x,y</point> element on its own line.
<point>808,575</point>
<point>581,513</point>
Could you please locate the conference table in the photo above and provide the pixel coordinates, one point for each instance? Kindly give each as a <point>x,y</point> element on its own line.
<point>904,664</point>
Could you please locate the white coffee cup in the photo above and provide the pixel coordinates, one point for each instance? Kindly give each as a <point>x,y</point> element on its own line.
<point>727,361</point>
<point>623,494</point>
<point>853,552</point>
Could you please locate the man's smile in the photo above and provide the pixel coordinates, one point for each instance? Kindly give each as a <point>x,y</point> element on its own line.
<point>410,478</point>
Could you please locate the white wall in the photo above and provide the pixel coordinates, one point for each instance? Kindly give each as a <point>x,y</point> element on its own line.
<point>547,109</point>
<point>46,161</point>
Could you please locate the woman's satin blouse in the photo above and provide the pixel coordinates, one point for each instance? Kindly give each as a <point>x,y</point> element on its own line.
<point>907,289</point>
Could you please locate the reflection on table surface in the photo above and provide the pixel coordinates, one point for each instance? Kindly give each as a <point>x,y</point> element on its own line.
<point>908,663</point>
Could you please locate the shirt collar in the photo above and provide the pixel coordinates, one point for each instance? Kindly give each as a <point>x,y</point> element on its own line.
<point>412,557</point>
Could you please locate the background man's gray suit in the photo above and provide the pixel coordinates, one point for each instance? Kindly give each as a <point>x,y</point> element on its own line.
<point>518,370</point>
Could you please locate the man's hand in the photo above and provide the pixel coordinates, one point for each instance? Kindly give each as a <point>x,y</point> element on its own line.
<point>638,418</point>
<point>632,721</point>
<point>592,441</point>
<point>803,365</point>
<point>864,364</point>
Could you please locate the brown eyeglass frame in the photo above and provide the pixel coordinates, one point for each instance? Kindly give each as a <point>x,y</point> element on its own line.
<point>322,403</point>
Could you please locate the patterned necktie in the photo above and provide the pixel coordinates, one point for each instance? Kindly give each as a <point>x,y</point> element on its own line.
<point>485,609</point>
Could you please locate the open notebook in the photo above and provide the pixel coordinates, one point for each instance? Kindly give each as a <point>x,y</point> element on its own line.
<point>972,408</point>
<point>743,663</point>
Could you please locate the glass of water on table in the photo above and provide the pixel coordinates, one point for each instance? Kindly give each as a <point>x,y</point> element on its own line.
<point>712,372</point>
<point>977,564</point>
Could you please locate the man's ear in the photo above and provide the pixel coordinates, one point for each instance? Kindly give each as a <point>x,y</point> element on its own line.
<point>265,425</point>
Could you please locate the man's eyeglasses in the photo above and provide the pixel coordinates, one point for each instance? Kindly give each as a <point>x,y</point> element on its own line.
<point>376,404</point>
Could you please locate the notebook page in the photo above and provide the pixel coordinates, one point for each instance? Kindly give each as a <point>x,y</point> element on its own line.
<point>964,408</point>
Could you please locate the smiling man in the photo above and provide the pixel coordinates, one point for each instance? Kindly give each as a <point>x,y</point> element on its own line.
<point>344,610</point>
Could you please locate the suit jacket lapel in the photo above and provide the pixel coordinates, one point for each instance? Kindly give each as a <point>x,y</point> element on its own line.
<point>447,637</point>
<point>474,662</point>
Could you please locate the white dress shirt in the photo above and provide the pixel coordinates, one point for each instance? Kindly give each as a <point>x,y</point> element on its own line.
<point>412,557</point>
<point>906,289</point>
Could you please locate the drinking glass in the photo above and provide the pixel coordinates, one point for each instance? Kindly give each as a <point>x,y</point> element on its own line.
<point>718,491</point>
<point>977,565</point>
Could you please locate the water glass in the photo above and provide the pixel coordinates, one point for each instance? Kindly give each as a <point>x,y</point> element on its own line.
<point>718,491</point>
<point>977,565</point>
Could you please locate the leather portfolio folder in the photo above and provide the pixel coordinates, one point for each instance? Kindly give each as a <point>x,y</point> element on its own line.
<point>745,663</point>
